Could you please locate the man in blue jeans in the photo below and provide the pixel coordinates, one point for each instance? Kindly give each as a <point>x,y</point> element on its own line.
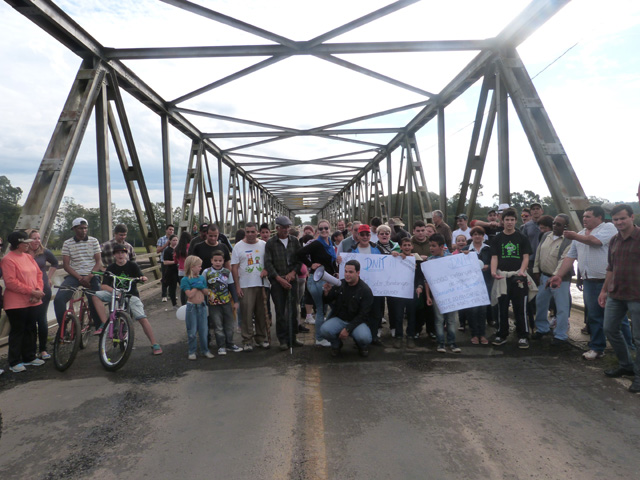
<point>351,304</point>
<point>550,253</point>
<point>590,247</point>
<point>621,292</point>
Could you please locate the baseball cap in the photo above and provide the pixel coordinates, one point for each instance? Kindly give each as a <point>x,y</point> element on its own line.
<point>364,228</point>
<point>535,204</point>
<point>463,216</point>
<point>78,221</point>
<point>502,207</point>
<point>204,226</point>
<point>119,247</point>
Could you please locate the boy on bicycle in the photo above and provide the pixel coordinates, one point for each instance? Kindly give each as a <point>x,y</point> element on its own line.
<point>126,268</point>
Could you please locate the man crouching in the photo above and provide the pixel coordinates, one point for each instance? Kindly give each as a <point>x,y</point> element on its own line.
<point>351,304</point>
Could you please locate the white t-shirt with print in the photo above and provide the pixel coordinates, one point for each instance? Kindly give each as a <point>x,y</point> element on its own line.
<point>250,261</point>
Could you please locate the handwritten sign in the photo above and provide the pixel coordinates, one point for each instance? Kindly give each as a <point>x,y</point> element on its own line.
<point>456,282</point>
<point>386,275</point>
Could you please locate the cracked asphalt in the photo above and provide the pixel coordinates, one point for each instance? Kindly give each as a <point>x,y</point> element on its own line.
<point>488,412</point>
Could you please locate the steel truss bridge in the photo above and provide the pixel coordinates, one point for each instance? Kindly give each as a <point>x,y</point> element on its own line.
<point>349,184</point>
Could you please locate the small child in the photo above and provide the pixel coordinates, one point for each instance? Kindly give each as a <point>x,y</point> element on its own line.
<point>194,286</point>
<point>221,290</point>
<point>437,249</point>
<point>461,242</point>
<point>408,305</point>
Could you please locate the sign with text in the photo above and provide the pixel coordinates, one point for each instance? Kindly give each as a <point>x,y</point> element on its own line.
<point>386,275</point>
<point>456,282</point>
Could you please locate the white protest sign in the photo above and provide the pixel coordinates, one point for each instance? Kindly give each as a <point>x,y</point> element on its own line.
<point>456,282</point>
<point>386,275</point>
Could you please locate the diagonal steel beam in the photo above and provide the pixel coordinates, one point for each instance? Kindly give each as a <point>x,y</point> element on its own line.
<point>372,74</point>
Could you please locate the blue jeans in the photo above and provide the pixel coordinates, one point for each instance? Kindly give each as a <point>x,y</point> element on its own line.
<point>315,289</point>
<point>197,324</point>
<point>562,297</point>
<point>450,319</point>
<point>614,314</point>
<point>63,297</point>
<point>333,326</point>
<point>595,315</point>
<point>222,319</point>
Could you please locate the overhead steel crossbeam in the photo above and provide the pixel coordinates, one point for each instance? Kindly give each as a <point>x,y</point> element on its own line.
<point>348,174</point>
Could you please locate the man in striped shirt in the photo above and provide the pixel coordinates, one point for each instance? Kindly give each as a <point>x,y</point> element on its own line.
<point>81,256</point>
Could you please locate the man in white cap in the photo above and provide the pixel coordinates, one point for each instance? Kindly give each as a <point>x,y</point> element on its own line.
<point>81,255</point>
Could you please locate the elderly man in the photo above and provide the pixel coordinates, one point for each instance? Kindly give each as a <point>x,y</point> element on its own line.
<point>282,265</point>
<point>621,292</point>
<point>351,304</point>
<point>119,238</point>
<point>441,227</point>
<point>551,252</point>
<point>590,247</point>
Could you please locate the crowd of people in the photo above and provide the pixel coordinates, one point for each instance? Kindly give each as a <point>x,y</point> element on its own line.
<point>227,289</point>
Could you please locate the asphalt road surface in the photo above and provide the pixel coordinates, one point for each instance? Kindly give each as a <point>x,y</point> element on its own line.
<point>486,413</point>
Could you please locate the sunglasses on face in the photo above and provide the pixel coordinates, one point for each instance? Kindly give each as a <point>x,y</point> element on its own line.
<point>365,234</point>
<point>383,233</point>
<point>322,229</point>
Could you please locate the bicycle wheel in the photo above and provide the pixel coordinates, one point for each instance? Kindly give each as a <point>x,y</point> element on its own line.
<point>85,327</point>
<point>67,342</point>
<point>116,342</point>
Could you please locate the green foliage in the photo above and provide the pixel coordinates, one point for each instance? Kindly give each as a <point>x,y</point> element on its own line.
<point>9,208</point>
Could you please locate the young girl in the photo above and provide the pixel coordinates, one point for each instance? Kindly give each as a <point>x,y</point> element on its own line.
<point>195,288</point>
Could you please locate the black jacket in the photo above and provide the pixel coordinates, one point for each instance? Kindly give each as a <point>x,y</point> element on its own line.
<point>351,304</point>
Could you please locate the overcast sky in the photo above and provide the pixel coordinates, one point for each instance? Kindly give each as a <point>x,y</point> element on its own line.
<point>590,92</point>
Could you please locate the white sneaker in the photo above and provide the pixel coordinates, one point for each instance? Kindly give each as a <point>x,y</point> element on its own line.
<point>222,351</point>
<point>209,355</point>
<point>553,322</point>
<point>311,320</point>
<point>265,345</point>
<point>18,368</point>
<point>192,356</point>
<point>393,332</point>
<point>323,343</point>
<point>1,371</point>
<point>592,355</point>
<point>164,299</point>
<point>36,362</point>
<point>235,349</point>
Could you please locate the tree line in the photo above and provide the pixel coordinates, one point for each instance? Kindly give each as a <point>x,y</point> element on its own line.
<point>10,209</point>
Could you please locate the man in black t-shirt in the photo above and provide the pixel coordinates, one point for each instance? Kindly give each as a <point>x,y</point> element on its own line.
<point>125,268</point>
<point>205,249</point>
<point>510,252</point>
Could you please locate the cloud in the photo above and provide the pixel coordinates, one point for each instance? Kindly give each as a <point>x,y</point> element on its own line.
<point>589,92</point>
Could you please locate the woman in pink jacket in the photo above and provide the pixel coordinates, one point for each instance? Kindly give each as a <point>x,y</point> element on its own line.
<point>23,294</point>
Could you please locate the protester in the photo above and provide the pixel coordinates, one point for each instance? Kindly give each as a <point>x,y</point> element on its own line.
<point>316,254</point>
<point>22,297</point>
<point>170,277</point>
<point>180,256</point>
<point>161,245</point>
<point>477,316</point>
<point>437,243</point>
<point>42,256</point>
<point>351,304</point>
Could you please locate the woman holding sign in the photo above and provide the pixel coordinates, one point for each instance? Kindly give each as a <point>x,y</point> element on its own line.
<point>316,254</point>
